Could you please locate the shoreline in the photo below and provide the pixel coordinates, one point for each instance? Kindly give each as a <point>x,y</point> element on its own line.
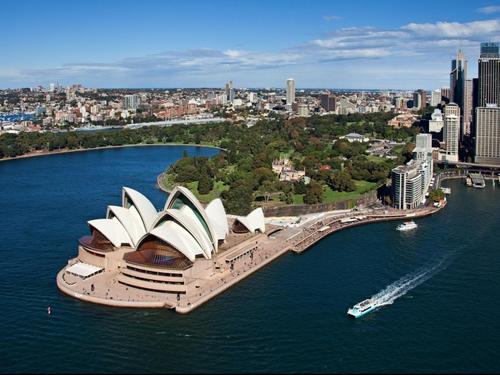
<point>67,151</point>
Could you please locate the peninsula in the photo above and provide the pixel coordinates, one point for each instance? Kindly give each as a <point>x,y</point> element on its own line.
<point>186,254</point>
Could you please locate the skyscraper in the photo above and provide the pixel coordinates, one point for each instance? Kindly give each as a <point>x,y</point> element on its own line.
<point>416,100</point>
<point>489,75</point>
<point>458,77</point>
<point>229,91</point>
<point>488,134</point>
<point>445,94</point>
<point>290,91</point>
<point>468,109</point>
<point>419,99</point>
<point>451,130</point>
<point>327,102</point>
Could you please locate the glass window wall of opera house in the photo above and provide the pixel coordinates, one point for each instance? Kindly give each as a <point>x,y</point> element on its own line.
<point>162,252</point>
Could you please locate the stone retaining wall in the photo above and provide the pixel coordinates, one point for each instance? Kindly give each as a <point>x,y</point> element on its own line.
<point>302,209</point>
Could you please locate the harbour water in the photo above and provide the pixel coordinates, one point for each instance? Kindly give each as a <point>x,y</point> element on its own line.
<point>288,317</point>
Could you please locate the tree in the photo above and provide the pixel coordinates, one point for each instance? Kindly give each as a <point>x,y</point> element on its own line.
<point>238,199</point>
<point>341,181</point>
<point>436,195</point>
<point>300,187</point>
<point>205,184</point>
<point>314,193</point>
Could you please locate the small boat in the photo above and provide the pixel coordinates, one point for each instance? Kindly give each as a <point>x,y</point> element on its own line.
<point>407,225</point>
<point>362,308</point>
<point>479,184</point>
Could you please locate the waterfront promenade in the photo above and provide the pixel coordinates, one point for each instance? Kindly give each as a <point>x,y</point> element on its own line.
<point>324,227</point>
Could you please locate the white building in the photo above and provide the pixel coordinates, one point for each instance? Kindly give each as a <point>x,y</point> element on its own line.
<point>436,122</point>
<point>131,101</point>
<point>451,131</point>
<point>355,137</point>
<point>290,91</point>
<point>407,182</point>
<point>435,97</point>
<point>252,97</point>
<point>303,110</point>
<point>410,182</point>
<point>423,152</point>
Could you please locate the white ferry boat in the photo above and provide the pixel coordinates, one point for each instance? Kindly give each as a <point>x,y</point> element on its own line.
<point>407,225</point>
<point>362,308</point>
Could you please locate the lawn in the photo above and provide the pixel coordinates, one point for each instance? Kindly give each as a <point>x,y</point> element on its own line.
<point>331,196</point>
<point>298,199</point>
<point>219,187</point>
<point>376,159</point>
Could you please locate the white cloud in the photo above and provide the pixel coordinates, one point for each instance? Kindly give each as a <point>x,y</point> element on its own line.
<point>489,9</point>
<point>412,45</point>
<point>331,18</point>
<point>454,29</point>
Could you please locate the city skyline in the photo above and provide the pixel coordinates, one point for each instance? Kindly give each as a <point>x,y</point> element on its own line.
<point>202,45</point>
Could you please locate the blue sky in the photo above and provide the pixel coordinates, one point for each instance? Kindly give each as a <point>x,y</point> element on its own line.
<point>153,43</point>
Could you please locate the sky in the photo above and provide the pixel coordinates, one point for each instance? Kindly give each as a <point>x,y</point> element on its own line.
<point>320,43</point>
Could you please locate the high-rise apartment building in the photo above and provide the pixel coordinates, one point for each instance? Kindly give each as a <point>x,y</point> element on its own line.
<point>488,134</point>
<point>290,91</point>
<point>423,152</point>
<point>410,182</point>
<point>406,187</point>
<point>451,131</point>
<point>131,101</point>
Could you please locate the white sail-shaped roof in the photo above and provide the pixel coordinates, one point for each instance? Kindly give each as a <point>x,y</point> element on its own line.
<point>188,221</point>
<point>218,219</point>
<point>130,220</point>
<point>196,207</point>
<point>179,238</point>
<point>142,204</point>
<point>113,230</point>
<point>253,221</point>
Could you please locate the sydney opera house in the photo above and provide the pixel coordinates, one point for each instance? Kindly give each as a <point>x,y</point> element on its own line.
<point>136,249</point>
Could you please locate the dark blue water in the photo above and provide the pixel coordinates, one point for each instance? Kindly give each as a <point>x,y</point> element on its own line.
<point>15,117</point>
<point>288,317</point>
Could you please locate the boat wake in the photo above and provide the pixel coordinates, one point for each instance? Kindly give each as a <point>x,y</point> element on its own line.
<point>399,288</point>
